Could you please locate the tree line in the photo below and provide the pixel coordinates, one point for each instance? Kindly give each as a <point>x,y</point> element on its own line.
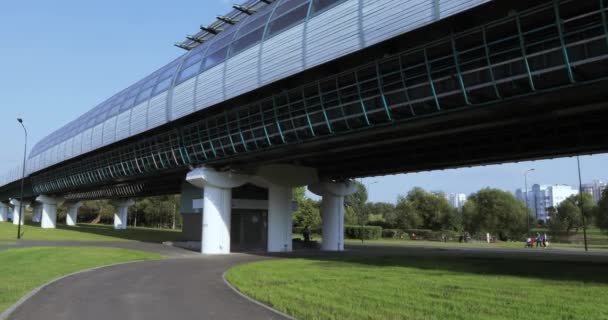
<point>492,211</point>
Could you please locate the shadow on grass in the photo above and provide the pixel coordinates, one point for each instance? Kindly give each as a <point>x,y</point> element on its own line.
<point>562,267</point>
<point>133,234</point>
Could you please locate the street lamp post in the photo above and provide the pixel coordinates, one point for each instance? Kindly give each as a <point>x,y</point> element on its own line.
<point>22,181</point>
<point>526,190</point>
<point>580,191</point>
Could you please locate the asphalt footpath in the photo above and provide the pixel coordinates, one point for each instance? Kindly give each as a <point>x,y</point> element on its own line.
<point>176,288</point>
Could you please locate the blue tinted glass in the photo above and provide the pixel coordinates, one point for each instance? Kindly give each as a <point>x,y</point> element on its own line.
<point>287,20</point>
<point>143,96</point>
<point>247,41</point>
<point>287,5</point>
<point>215,58</point>
<point>318,5</point>
<point>127,104</point>
<point>162,86</point>
<point>188,73</point>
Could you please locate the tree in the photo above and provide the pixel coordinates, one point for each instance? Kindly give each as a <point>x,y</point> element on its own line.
<point>406,217</point>
<point>356,210</point>
<point>601,212</point>
<point>422,209</point>
<point>497,212</point>
<point>308,213</point>
<point>568,215</point>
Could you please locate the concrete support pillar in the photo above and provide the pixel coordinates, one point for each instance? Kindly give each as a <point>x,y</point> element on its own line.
<point>332,212</point>
<point>17,209</point>
<point>72,217</point>
<point>279,219</point>
<point>4,212</point>
<point>49,211</point>
<point>37,213</point>
<point>121,214</point>
<point>217,198</point>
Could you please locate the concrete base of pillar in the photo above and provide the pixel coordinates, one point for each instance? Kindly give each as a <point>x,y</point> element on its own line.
<point>121,214</point>
<point>72,215</point>
<point>332,212</point>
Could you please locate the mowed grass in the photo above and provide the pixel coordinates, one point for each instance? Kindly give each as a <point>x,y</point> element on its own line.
<point>427,287</point>
<point>88,232</point>
<point>27,268</point>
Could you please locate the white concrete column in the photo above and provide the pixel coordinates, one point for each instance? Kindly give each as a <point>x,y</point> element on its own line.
<point>121,214</point>
<point>217,198</point>
<point>72,215</point>
<point>17,209</point>
<point>332,212</point>
<point>49,211</point>
<point>37,213</point>
<point>4,208</point>
<point>279,219</point>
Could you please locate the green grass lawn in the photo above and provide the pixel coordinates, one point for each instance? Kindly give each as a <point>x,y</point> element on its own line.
<point>27,268</point>
<point>88,232</point>
<point>427,287</point>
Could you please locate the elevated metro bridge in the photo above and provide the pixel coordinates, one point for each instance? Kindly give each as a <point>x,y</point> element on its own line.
<point>499,81</point>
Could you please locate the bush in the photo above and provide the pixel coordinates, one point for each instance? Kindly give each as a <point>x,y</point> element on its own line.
<point>362,232</point>
<point>393,233</point>
<point>425,234</point>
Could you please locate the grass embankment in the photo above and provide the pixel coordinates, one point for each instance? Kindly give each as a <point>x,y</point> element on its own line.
<point>88,232</point>
<point>27,268</point>
<point>427,287</point>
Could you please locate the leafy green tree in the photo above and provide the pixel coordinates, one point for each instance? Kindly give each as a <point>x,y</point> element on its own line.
<point>497,212</point>
<point>356,209</point>
<point>406,217</point>
<point>568,216</point>
<point>422,209</point>
<point>308,214</point>
<point>601,212</point>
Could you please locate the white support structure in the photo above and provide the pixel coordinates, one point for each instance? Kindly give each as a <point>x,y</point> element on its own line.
<point>217,197</point>
<point>37,213</point>
<point>72,216</point>
<point>17,209</point>
<point>280,179</point>
<point>49,211</point>
<point>332,212</point>
<point>121,214</point>
<point>280,236</point>
<point>4,208</point>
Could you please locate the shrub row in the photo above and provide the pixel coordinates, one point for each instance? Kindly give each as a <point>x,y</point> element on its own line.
<point>363,232</point>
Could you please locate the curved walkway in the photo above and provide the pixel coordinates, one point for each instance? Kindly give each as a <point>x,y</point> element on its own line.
<point>178,288</point>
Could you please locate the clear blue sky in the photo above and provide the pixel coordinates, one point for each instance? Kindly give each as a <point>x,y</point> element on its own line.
<point>60,58</point>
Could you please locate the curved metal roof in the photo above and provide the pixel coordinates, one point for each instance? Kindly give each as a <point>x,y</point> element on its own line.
<point>279,39</point>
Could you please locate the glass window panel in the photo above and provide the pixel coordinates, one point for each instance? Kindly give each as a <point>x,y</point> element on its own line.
<point>114,111</point>
<point>287,5</point>
<point>318,5</point>
<point>127,104</point>
<point>188,73</point>
<point>287,20</point>
<point>221,40</point>
<point>252,23</point>
<point>162,86</point>
<point>215,58</point>
<point>143,96</point>
<point>247,41</point>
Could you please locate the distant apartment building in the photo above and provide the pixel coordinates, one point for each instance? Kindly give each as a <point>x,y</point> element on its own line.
<point>542,197</point>
<point>456,200</point>
<point>595,189</point>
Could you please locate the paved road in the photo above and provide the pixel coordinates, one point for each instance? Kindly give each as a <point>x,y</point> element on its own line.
<point>181,288</point>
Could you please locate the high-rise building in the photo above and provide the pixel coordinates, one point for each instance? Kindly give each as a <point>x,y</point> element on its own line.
<point>595,189</point>
<point>456,200</point>
<point>542,197</point>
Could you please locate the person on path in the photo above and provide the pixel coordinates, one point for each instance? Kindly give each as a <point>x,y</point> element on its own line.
<point>539,240</point>
<point>545,240</point>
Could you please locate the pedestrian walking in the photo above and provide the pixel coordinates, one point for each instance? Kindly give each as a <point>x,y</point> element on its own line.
<point>539,240</point>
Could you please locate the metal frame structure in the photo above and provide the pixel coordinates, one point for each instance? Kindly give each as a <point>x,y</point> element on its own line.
<point>552,46</point>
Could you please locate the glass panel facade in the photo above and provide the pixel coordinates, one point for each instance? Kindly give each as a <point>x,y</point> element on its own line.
<point>287,20</point>
<point>319,5</point>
